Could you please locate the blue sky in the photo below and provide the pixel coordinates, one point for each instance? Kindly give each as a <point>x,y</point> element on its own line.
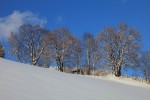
<point>77,15</point>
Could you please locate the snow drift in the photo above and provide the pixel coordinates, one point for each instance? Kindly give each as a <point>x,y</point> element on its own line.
<point>26,82</point>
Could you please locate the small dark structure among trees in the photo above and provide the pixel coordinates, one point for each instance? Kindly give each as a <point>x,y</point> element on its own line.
<point>2,54</point>
<point>77,71</point>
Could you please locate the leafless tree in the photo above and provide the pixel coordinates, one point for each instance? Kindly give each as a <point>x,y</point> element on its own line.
<point>28,43</point>
<point>95,59</point>
<point>90,49</point>
<point>46,58</point>
<point>15,46</point>
<point>2,53</point>
<point>119,47</point>
<point>63,46</point>
<point>144,64</point>
<point>77,53</point>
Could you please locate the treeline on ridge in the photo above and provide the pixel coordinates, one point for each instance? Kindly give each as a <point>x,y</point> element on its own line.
<point>112,48</point>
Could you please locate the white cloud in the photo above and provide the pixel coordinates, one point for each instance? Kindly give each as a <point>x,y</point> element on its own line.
<point>12,22</point>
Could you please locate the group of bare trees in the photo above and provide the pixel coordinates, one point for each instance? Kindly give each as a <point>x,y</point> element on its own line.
<point>37,46</point>
<point>114,47</point>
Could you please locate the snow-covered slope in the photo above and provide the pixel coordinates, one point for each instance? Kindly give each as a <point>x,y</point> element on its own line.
<point>123,80</point>
<point>25,82</point>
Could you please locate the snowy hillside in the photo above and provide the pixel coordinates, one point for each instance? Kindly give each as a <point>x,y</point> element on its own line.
<point>25,82</point>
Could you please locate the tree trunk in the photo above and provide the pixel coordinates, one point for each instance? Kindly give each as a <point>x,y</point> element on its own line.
<point>88,70</point>
<point>58,62</point>
<point>118,71</point>
<point>88,62</point>
<point>62,67</point>
<point>145,75</point>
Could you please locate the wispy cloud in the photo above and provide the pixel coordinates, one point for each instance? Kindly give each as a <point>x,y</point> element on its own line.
<point>124,1</point>
<point>59,20</point>
<point>12,22</point>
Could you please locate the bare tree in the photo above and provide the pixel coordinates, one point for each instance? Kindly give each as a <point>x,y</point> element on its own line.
<point>144,64</point>
<point>16,46</point>
<point>77,53</point>
<point>46,58</point>
<point>27,44</point>
<point>2,53</point>
<point>90,47</point>
<point>62,45</point>
<point>119,47</point>
<point>95,59</point>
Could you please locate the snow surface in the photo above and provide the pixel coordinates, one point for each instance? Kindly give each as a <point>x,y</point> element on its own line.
<point>123,80</point>
<point>25,82</point>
